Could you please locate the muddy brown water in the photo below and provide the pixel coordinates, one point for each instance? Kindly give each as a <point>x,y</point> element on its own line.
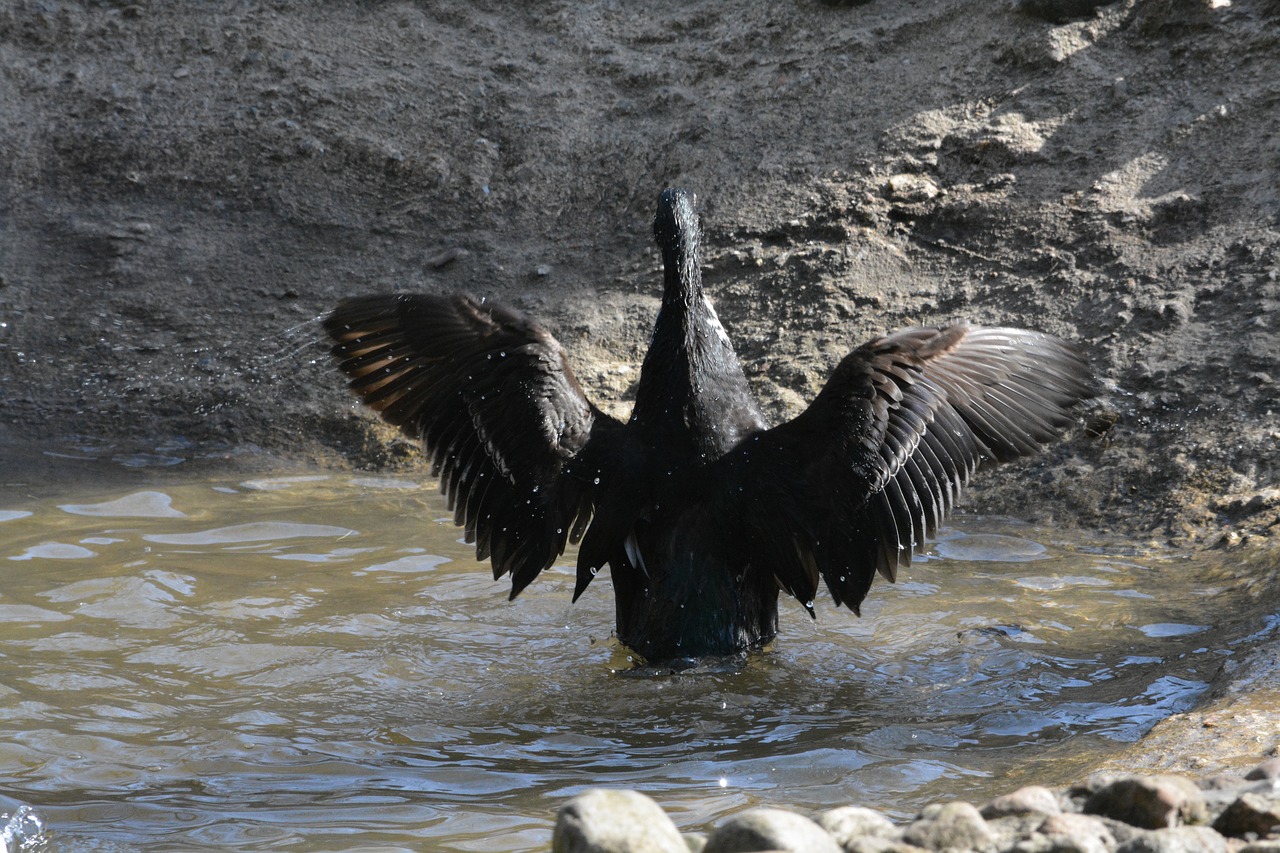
<point>314,661</point>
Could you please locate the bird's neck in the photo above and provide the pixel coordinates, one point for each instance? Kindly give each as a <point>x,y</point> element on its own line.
<point>682,279</point>
<point>692,390</point>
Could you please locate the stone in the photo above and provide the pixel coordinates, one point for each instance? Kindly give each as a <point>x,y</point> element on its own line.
<point>1016,831</point>
<point>856,822</point>
<point>1181,839</point>
<point>1249,813</point>
<point>1077,833</point>
<point>601,820</point>
<point>1031,799</point>
<point>1152,802</point>
<point>697,841</point>
<point>943,826</point>
<point>770,829</point>
<point>1269,769</point>
<point>911,188</point>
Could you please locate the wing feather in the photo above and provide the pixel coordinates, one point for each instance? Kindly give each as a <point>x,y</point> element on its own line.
<point>880,456</point>
<point>497,408</point>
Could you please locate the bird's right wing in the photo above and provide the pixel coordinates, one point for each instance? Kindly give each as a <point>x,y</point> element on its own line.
<point>857,481</point>
<point>493,400</point>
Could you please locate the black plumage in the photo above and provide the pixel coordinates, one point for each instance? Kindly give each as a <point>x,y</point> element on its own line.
<point>701,511</point>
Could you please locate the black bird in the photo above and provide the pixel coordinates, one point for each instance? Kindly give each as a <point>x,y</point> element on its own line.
<point>702,512</point>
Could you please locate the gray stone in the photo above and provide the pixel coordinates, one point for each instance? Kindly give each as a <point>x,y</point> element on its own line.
<point>1181,839</point>
<point>608,821</point>
<point>1250,813</point>
<point>1016,831</point>
<point>881,845</point>
<point>1269,769</point>
<point>1152,802</point>
<point>697,841</point>
<point>770,829</point>
<point>1076,833</point>
<point>911,188</point>
<point>1267,846</point>
<point>854,823</point>
<point>944,826</point>
<point>1032,799</point>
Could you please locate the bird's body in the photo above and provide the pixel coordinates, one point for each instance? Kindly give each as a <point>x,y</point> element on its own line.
<point>701,511</point>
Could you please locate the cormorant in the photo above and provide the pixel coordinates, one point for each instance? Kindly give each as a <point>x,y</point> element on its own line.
<point>702,511</point>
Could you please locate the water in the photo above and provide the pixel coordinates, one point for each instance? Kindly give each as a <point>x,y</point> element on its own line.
<point>316,662</point>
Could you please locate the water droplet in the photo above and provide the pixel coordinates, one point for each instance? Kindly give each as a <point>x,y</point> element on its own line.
<point>597,481</point>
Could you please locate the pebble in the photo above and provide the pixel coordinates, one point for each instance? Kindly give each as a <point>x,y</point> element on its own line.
<point>1181,839</point>
<point>1085,833</point>
<point>770,829</point>
<point>1032,799</point>
<point>1249,814</point>
<point>911,188</point>
<point>850,823</point>
<point>615,821</point>
<point>1269,769</point>
<point>1116,814</point>
<point>1148,802</point>
<point>950,826</point>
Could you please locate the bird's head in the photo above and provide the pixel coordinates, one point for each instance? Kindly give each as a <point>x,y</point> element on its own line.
<point>676,225</point>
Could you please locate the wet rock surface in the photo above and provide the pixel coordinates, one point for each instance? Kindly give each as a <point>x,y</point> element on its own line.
<point>1105,814</point>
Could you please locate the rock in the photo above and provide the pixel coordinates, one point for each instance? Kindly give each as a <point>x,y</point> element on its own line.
<point>853,823</point>
<point>1149,802</point>
<point>949,825</point>
<point>1031,799</point>
<point>911,188</point>
<point>1018,832</point>
<point>447,257</point>
<point>1182,839</point>
<point>1077,832</point>
<point>770,829</point>
<point>697,841</point>
<point>1269,769</point>
<point>610,821</point>
<point>1261,847</point>
<point>1249,813</point>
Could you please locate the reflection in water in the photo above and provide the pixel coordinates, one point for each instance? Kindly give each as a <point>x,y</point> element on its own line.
<point>304,660</point>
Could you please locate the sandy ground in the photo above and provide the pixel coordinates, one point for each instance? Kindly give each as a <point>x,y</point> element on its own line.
<point>185,188</point>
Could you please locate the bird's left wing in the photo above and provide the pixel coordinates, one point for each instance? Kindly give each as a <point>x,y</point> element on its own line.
<point>490,395</point>
<point>856,482</point>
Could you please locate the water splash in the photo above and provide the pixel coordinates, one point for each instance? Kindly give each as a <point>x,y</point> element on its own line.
<point>23,831</point>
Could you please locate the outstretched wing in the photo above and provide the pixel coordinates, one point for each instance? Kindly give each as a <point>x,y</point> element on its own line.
<point>497,408</point>
<point>856,482</point>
